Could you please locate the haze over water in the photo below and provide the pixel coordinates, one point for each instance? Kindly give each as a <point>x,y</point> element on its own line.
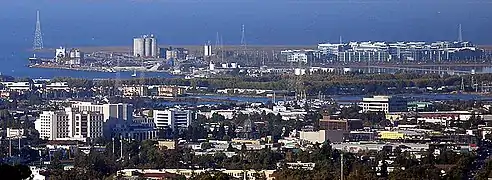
<point>193,22</point>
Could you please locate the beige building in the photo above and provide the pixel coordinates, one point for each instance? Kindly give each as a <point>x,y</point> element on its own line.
<point>165,144</point>
<point>130,91</point>
<point>170,91</point>
<point>313,136</point>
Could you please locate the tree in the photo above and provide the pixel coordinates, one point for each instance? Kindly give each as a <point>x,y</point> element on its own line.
<point>212,176</point>
<point>55,163</point>
<point>15,172</point>
<point>150,113</point>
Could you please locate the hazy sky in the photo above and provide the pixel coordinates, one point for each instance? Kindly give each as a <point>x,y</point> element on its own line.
<point>115,22</point>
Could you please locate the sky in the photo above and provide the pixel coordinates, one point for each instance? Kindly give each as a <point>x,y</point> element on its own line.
<point>296,22</point>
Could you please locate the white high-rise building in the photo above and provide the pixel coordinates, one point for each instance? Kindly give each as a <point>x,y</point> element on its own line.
<point>53,125</point>
<point>60,53</point>
<point>138,47</point>
<point>207,50</point>
<point>88,125</point>
<point>120,112</point>
<point>153,46</point>
<point>172,118</point>
<point>148,46</point>
<point>145,46</point>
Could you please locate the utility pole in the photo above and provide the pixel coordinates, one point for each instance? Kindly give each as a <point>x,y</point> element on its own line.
<point>462,84</point>
<point>19,138</point>
<point>10,147</point>
<point>341,167</point>
<point>113,145</point>
<point>121,149</point>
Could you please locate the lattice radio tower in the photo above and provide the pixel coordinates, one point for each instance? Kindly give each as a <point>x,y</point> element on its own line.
<point>217,44</point>
<point>142,73</point>
<point>117,83</point>
<point>38,36</point>
<point>243,43</point>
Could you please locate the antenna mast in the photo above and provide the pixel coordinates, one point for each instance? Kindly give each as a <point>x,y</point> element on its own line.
<point>460,34</point>
<point>38,36</point>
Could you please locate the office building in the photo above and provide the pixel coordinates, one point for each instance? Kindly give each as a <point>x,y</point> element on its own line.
<point>303,56</point>
<point>87,125</point>
<point>121,112</point>
<point>60,86</point>
<point>83,121</point>
<point>384,104</point>
<point>76,57</point>
<point>53,125</point>
<point>15,133</point>
<point>322,136</point>
<point>70,124</point>
<point>333,124</point>
<point>130,91</point>
<point>60,53</point>
<point>399,51</point>
<point>145,46</point>
<point>18,86</point>
<point>172,118</point>
<point>168,91</point>
<point>176,53</point>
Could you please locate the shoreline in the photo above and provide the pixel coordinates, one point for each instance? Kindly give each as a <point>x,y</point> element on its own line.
<point>89,69</point>
<point>127,49</point>
<point>86,69</point>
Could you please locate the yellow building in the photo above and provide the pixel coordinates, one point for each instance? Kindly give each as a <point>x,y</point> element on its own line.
<point>391,135</point>
<point>165,144</point>
<point>246,141</point>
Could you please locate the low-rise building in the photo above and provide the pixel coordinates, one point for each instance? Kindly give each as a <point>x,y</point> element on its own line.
<point>384,104</point>
<point>166,144</point>
<point>130,91</point>
<point>188,173</point>
<point>298,165</point>
<point>18,86</point>
<point>167,91</point>
<point>57,86</point>
<point>15,133</point>
<point>322,136</point>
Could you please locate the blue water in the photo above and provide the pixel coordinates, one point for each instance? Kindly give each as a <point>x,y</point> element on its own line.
<point>192,22</point>
<point>421,97</point>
